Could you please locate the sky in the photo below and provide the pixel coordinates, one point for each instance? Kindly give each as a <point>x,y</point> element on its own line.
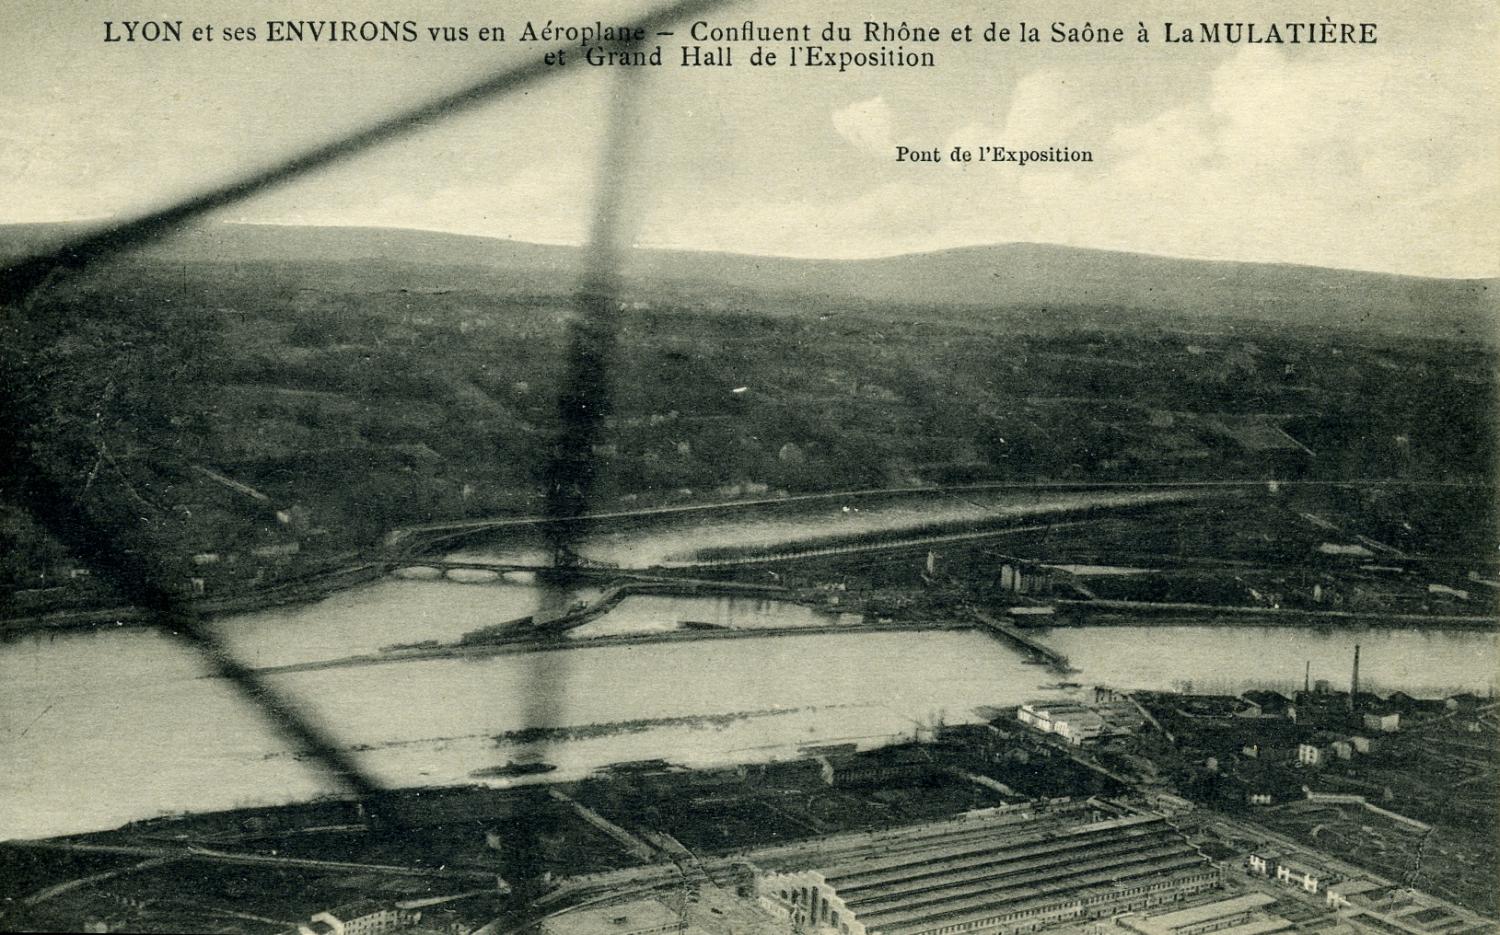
<point>1383,157</point>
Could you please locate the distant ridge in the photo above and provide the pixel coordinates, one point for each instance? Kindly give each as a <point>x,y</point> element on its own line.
<point>1001,276</point>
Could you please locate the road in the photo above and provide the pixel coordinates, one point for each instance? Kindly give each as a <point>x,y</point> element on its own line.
<point>68,886</point>
<point>193,852</point>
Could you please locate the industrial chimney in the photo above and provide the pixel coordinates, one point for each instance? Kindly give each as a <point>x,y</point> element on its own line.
<point>1354,681</point>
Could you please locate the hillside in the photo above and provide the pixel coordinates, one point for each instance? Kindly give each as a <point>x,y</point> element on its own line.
<point>959,281</point>
<point>363,380</point>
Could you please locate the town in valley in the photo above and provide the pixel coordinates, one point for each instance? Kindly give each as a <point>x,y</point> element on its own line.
<point>896,610</point>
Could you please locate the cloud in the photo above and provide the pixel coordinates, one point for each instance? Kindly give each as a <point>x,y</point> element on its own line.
<point>867,126</point>
<point>549,202</point>
<point>1324,160</point>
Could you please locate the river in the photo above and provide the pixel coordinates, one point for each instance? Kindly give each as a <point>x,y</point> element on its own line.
<point>100,728</point>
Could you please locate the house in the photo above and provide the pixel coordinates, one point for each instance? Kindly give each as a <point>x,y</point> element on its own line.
<point>1297,873</point>
<point>1364,745</point>
<point>1465,702</point>
<point>1405,704</point>
<point>1266,703</point>
<point>1400,701</point>
<point>362,917</point>
<point>1309,754</point>
<point>1342,749</point>
<point>278,550</point>
<point>1079,726</point>
<point>1385,722</point>
<point>1263,861</point>
<point>1268,784</point>
<point>1340,895</point>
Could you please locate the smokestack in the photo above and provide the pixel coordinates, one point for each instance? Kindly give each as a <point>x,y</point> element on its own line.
<point>1354,681</point>
<point>1307,677</point>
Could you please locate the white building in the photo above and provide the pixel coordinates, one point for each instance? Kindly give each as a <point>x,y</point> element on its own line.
<point>1263,862</point>
<point>1073,722</point>
<point>1297,873</point>
<point>364,917</point>
<point>1340,895</point>
<point>637,917</point>
<point>1244,915</point>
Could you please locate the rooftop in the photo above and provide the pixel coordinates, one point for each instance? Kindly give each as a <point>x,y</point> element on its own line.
<point>641,915</point>
<point>1258,927</point>
<point>1297,866</point>
<point>357,909</point>
<point>1213,910</point>
<point>953,881</point>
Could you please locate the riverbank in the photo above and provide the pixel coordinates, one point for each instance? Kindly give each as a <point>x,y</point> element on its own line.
<point>301,591</point>
<point>409,545</point>
<point>1097,612</point>
<point>1071,613</point>
<point>522,646</point>
<point>810,558</point>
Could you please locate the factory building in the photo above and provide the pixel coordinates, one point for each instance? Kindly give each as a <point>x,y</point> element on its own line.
<point>1237,915</point>
<point>362,917</point>
<point>1349,893</point>
<point>1078,723</point>
<point>638,917</point>
<point>1263,861</point>
<point>1073,722</point>
<point>1025,578</point>
<point>1297,873</point>
<point>1012,883</point>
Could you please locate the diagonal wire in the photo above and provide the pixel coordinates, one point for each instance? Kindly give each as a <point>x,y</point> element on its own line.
<point>568,474</point>
<point>20,279</point>
<point>583,404</point>
<point>584,400</point>
<point>138,579</point>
